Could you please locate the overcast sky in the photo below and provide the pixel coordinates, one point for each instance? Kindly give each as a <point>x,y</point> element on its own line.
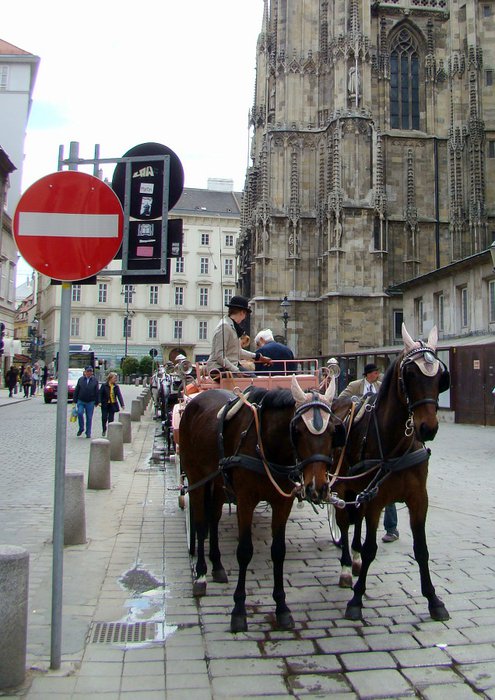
<point>178,72</point>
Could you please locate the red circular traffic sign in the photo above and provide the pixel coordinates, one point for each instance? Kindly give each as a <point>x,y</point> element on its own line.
<point>68,225</point>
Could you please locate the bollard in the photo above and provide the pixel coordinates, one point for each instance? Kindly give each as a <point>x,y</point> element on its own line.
<point>115,437</point>
<point>136,381</point>
<point>74,511</point>
<point>99,475</point>
<point>142,398</point>
<point>136,410</point>
<point>125,419</point>
<point>14,586</point>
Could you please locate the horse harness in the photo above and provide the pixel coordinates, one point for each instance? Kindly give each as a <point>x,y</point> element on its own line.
<point>410,458</point>
<point>261,465</point>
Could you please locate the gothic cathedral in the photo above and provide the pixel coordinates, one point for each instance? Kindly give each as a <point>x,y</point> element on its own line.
<point>373,161</point>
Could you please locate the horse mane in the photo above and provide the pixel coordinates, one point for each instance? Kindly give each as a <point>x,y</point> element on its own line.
<point>278,399</point>
<point>387,381</point>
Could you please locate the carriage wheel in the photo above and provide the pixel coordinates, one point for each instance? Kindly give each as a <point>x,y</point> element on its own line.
<point>332,523</point>
<point>190,529</point>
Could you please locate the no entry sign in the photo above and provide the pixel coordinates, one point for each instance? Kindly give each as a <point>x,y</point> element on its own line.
<point>68,225</point>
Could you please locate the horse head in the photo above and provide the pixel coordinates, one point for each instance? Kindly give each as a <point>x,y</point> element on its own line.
<point>314,430</point>
<point>422,377</point>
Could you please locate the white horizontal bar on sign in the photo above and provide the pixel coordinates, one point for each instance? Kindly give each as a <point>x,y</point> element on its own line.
<point>68,225</point>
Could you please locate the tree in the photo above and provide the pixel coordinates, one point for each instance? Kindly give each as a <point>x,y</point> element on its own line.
<point>146,365</point>
<point>130,365</point>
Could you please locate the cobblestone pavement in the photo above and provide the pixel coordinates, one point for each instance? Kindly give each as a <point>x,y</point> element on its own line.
<point>135,570</point>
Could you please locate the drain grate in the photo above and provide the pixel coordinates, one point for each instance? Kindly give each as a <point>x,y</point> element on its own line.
<point>122,632</point>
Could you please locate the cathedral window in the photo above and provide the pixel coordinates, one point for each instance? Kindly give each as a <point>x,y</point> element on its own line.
<point>404,82</point>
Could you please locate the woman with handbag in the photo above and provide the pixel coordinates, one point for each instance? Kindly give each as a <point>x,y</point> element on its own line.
<point>111,400</point>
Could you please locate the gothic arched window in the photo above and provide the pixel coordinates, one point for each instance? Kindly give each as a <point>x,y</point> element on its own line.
<point>404,81</point>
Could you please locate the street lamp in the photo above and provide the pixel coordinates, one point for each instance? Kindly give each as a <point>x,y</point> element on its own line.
<point>285,305</point>
<point>127,293</point>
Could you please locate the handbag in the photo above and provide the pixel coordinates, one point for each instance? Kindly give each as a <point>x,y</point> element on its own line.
<point>73,414</point>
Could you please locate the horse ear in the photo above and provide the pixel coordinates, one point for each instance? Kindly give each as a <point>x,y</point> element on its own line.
<point>330,392</point>
<point>409,343</point>
<point>433,338</point>
<point>297,392</point>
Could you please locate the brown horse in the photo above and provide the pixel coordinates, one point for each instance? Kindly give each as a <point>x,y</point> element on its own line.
<point>275,447</point>
<point>385,461</point>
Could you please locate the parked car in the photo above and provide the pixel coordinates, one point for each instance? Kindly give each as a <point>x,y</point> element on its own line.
<point>50,390</point>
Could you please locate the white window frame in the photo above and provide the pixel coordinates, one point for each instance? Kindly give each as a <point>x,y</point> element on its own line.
<point>75,327</point>
<point>204,294</point>
<point>202,330</point>
<point>229,240</point>
<point>179,296</point>
<point>464,306</point>
<point>228,293</point>
<point>228,267</point>
<point>204,238</point>
<point>4,78</point>
<point>102,292</point>
<point>179,265</point>
<point>204,266</point>
<point>76,292</point>
<point>178,329</point>
<point>152,328</point>
<point>101,327</point>
<point>127,326</point>
<point>153,294</point>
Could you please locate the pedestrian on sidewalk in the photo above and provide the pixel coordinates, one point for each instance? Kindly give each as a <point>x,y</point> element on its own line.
<point>27,380</point>
<point>11,379</point>
<point>111,400</point>
<point>86,397</point>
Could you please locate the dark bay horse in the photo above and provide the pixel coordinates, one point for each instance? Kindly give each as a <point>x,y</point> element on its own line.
<point>275,447</point>
<point>385,461</point>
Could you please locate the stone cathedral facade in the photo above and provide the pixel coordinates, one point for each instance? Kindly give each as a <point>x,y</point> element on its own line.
<point>373,161</point>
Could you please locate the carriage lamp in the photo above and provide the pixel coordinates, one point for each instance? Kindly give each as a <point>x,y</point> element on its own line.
<point>492,253</point>
<point>285,305</point>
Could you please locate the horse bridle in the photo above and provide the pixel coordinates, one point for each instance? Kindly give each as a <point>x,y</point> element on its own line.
<point>316,405</point>
<point>409,359</point>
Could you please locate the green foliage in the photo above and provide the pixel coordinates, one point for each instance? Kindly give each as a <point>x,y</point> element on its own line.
<point>130,365</point>
<point>145,365</point>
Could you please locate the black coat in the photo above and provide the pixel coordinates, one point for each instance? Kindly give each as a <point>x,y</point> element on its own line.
<point>86,390</point>
<point>105,395</point>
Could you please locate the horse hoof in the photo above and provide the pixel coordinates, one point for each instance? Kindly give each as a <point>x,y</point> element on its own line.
<point>199,589</point>
<point>285,621</point>
<point>182,502</point>
<point>238,623</point>
<point>345,581</point>
<point>439,613</point>
<point>353,612</point>
<point>219,576</point>
<point>356,568</point>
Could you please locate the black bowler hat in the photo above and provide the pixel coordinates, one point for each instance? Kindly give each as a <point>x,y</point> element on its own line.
<point>88,369</point>
<point>370,368</point>
<point>238,302</point>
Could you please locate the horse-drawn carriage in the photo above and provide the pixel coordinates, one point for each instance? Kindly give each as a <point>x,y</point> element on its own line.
<point>277,445</point>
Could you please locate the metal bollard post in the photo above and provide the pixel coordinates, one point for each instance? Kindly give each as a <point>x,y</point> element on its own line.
<point>74,511</point>
<point>99,475</point>
<point>136,410</point>
<point>14,586</point>
<point>125,419</point>
<point>115,437</point>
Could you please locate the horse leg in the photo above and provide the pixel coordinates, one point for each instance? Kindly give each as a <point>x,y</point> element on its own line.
<point>218,573</point>
<point>280,514</point>
<point>197,503</point>
<point>368,553</point>
<point>437,609</point>
<point>357,546</point>
<point>238,617</point>
<point>345,579</point>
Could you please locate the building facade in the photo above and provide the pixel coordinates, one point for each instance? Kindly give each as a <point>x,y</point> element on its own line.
<point>373,161</point>
<point>118,320</point>
<point>18,70</point>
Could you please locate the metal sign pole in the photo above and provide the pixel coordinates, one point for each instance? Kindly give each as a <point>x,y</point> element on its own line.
<point>59,492</point>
